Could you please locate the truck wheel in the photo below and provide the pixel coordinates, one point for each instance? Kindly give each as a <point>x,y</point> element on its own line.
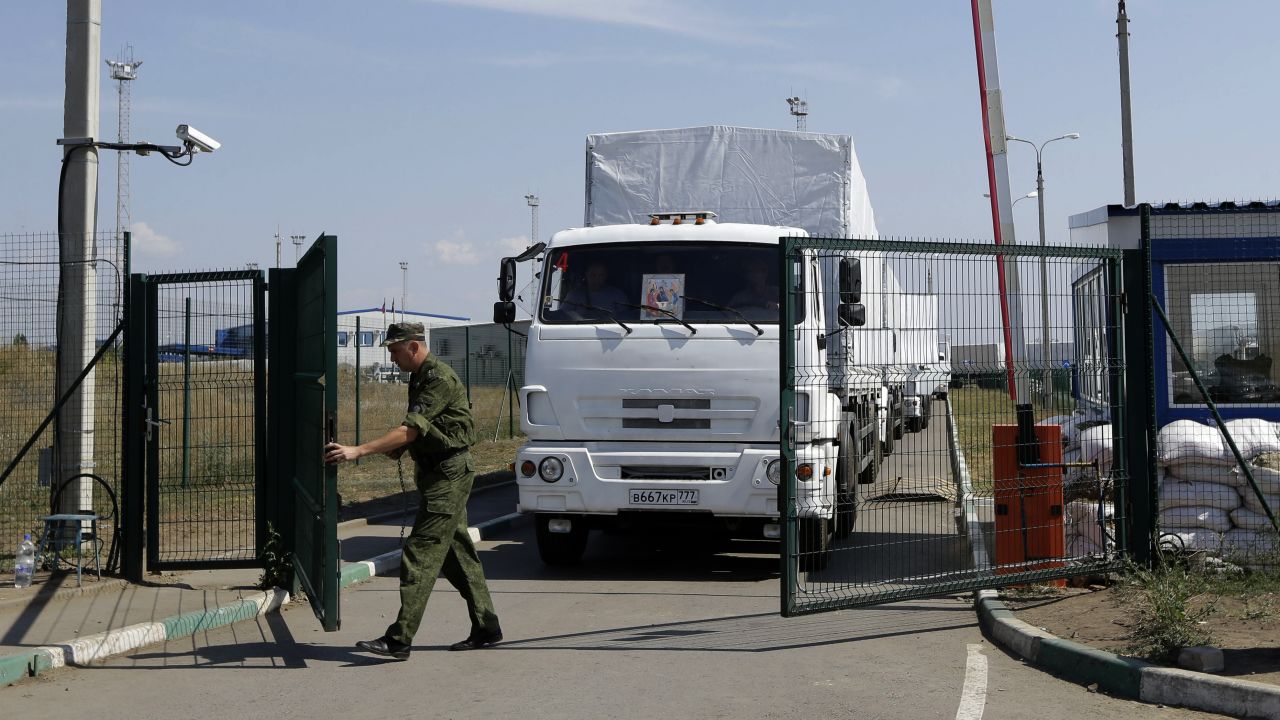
<point>913,425</point>
<point>815,543</point>
<point>891,433</point>
<point>926,413</point>
<point>560,548</point>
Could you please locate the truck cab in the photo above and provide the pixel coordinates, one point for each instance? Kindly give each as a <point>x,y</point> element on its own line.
<point>652,384</point>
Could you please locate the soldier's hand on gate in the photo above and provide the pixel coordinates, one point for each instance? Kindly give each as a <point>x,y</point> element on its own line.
<point>335,453</point>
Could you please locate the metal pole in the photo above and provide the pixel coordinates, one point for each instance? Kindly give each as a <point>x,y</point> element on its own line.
<point>357,383</point>
<point>186,393</point>
<point>404,289</point>
<point>1044,290</point>
<point>1126,119</point>
<point>277,246</point>
<point>511,431</point>
<point>77,321</point>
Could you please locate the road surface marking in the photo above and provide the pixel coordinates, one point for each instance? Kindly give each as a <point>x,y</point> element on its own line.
<point>974,696</point>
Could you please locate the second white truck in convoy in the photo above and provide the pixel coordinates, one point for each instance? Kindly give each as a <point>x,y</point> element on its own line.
<point>652,366</point>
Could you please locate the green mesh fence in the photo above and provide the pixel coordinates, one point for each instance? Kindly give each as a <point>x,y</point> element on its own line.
<point>31,276</point>
<point>907,474</point>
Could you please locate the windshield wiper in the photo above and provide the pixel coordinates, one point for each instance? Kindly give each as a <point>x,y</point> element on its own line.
<point>692,330</point>
<point>597,308</point>
<point>726,308</point>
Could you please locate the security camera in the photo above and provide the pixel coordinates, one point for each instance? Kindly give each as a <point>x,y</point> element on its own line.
<point>196,141</point>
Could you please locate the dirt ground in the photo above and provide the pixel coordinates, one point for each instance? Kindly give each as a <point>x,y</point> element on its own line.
<point>1247,632</point>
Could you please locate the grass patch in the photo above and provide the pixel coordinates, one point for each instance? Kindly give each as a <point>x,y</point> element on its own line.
<point>1170,605</point>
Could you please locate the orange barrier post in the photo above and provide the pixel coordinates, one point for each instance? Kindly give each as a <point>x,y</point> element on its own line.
<point>1028,502</point>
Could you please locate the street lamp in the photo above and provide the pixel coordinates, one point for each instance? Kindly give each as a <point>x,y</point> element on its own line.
<point>404,289</point>
<point>1044,267</point>
<point>297,247</point>
<point>533,202</point>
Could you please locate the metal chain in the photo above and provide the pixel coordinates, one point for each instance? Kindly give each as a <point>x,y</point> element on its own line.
<point>404,492</point>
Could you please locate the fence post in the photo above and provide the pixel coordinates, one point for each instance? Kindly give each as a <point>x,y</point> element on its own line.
<point>466,360</point>
<point>357,384</point>
<point>511,386</point>
<point>186,393</point>
<point>1139,398</point>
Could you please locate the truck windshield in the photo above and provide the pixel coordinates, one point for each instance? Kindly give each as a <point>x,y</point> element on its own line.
<point>711,283</point>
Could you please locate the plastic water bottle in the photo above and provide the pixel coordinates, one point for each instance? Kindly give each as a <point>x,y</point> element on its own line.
<point>25,563</point>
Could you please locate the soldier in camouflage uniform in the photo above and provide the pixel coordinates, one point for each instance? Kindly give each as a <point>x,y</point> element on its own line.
<point>438,431</point>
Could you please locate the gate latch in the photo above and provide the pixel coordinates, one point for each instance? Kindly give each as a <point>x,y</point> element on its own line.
<point>151,422</point>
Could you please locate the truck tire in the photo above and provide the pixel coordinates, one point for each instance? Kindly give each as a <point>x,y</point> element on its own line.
<point>891,432</point>
<point>914,424</point>
<point>926,412</point>
<point>814,535</point>
<point>560,548</point>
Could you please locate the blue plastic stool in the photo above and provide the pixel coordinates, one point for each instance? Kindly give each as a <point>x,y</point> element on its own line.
<point>66,530</point>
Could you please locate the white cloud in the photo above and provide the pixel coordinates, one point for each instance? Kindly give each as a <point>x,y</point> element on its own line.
<point>149,242</point>
<point>455,252</point>
<point>513,245</point>
<point>682,18</point>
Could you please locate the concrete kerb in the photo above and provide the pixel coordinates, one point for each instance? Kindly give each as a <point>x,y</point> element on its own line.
<point>101,646</point>
<point>1122,676</point>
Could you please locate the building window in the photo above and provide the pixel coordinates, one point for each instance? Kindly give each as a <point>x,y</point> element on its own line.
<point>1227,317</point>
<point>366,338</point>
<point>343,338</point>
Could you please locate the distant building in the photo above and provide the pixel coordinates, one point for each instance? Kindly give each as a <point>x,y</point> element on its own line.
<point>365,330</point>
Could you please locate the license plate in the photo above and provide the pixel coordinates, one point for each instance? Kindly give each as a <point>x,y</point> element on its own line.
<point>663,497</point>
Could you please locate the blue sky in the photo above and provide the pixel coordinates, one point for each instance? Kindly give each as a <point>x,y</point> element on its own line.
<point>412,129</point>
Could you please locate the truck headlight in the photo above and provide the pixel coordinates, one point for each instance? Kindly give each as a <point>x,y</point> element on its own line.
<point>550,469</point>
<point>774,471</point>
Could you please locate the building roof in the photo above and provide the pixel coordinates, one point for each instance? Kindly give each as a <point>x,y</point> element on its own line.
<point>414,313</point>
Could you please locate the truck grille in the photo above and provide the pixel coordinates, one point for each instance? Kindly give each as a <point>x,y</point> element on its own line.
<point>670,472</point>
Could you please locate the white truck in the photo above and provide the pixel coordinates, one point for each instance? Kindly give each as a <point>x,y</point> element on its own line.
<point>652,365</point>
<point>916,330</point>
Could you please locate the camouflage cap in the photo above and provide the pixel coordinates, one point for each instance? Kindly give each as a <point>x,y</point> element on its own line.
<point>400,332</point>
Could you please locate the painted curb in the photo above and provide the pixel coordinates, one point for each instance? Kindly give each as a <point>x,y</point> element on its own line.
<point>84,651</point>
<point>1122,676</point>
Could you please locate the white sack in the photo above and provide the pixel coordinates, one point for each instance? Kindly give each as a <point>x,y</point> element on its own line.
<point>1243,517</point>
<point>1251,501</point>
<point>1205,472</point>
<point>1252,436</point>
<point>1080,546</point>
<point>1268,480</point>
<point>1096,446</point>
<point>1193,540</point>
<point>1189,441</point>
<point>1194,518</point>
<point>1175,493</point>
<point>1243,543</point>
<point>1082,520</point>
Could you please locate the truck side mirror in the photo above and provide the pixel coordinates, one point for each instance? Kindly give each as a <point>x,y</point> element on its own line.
<point>504,312</point>
<point>852,314</point>
<point>507,280</point>
<point>850,280</point>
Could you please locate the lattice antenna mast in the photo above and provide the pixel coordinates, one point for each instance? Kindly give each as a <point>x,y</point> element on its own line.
<point>533,202</point>
<point>800,109</point>
<point>124,71</point>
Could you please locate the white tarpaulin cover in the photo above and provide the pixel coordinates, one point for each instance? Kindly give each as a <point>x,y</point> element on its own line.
<point>745,175</point>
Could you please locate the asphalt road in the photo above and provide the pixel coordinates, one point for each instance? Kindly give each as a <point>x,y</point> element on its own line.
<point>639,630</point>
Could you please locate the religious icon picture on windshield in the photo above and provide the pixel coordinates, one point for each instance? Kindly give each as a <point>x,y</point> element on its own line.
<point>664,292</point>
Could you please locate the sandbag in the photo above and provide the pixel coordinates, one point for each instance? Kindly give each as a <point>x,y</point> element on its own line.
<point>1268,480</point>
<point>1251,501</point>
<point>1176,493</point>
<point>1082,519</point>
<point>1194,518</point>
<point>1189,441</point>
<point>1205,472</point>
<point>1192,540</point>
<point>1096,446</point>
<point>1253,437</point>
<point>1243,517</point>
<point>1080,546</point>
<point>1244,544</point>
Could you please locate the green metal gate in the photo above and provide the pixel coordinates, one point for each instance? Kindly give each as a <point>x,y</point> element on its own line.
<point>202,394</point>
<point>965,489</point>
<point>304,403</point>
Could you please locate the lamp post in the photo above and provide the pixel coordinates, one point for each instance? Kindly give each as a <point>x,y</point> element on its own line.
<point>404,288</point>
<point>297,247</point>
<point>533,202</point>
<point>1044,267</point>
